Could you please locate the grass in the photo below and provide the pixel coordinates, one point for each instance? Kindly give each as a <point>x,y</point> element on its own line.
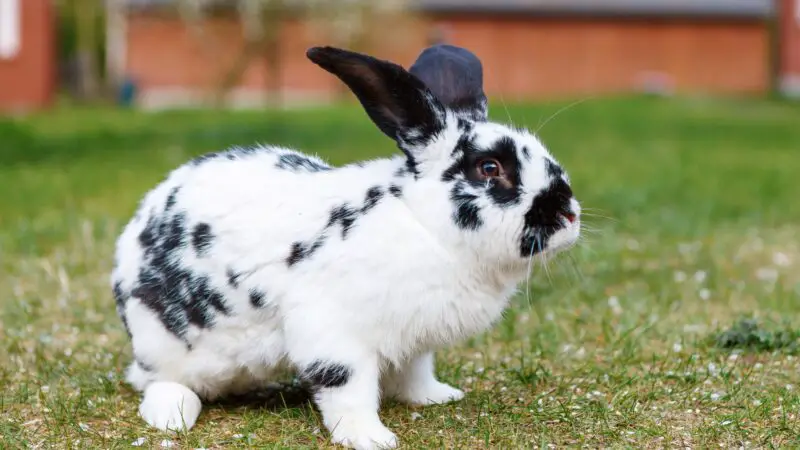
<point>675,323</point>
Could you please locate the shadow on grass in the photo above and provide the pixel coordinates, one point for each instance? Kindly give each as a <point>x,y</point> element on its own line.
<point>275,396</point>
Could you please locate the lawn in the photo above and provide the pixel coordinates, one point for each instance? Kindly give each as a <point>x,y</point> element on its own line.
<point>674,323</point>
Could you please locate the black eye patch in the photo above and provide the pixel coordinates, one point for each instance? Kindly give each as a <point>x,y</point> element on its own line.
<point>504,190</point>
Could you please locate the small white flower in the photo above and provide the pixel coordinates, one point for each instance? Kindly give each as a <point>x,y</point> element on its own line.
<point>613,303</point>
<point>704,294</point>
<point>166,443</point>
<point>726,422</point>
<point>415,416</point>
<point>756,402</point>
<point>715,396</point>
<point>238,436</point>
<point>549,316</point>
<point>677,347</point>
<point>789,387</point>
<point>139,442</point>
<point>758,366</point>
<point>679,276</point>
<point>712,369</point>
<point>700,276</point>
<point>45,388</point>
<point>83,426</point>
<point>781,259</point>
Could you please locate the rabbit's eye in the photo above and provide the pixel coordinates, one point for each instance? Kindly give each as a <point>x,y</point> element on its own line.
<point>490,168</point>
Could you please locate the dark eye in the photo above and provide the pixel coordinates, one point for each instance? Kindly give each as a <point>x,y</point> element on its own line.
<point>489,168</point>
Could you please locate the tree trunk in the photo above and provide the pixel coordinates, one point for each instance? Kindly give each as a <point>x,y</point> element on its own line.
<point>86,29</point>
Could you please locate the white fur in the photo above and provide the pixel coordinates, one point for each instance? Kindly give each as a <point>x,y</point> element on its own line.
<point>404,283</point>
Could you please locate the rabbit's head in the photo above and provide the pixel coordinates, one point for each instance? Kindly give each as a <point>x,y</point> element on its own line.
<point>490,189</point>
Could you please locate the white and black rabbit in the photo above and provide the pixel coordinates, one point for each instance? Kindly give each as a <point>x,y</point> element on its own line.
<point>253,260</point>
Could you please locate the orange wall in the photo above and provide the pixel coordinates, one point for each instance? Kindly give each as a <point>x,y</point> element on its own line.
<point>524,57</point>
<point>27,81</point>
<point>541,57</point>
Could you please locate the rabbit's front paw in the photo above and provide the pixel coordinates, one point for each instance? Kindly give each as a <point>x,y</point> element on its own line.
<point>431,393</point>
<point>362,433</point>
<point>170,406</point>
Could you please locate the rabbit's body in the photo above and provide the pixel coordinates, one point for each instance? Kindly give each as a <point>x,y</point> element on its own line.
<point>261,288</point>
<point>246,262</point>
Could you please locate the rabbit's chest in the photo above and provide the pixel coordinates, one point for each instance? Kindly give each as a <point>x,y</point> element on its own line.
<point>442,317</point>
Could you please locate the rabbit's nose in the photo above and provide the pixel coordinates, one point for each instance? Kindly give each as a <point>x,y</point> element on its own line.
<point>569,216</point>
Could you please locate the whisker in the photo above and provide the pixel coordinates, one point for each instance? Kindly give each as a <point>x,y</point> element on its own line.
<point>528,288</point>
<point>544,261</point>
<point>598,216</point>
<point>575,103</point>
<point>508,114</point>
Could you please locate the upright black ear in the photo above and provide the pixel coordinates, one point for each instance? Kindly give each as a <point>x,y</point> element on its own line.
<point>398,102</point>
<point>455,76</point>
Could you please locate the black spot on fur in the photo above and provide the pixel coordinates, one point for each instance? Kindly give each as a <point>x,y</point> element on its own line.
<point>402,171</point>
<point>553,169</point>
<point>230,154</point>
<point>147,237</point>
<point>171,198</point>
<point>324,374</point>
<point>121,298</point>
<point>467,213</point>
<point>526,152</point>
<point>374,195</point>
<point>202,238</point>
<point>175,236</point>
<point>301,251</point>
<point>344,215</point>
<point>464,125</point>
<point>257,298</point>
<point>296,162</point>
<point>411,167</point>
<point>178,296</point>
<point>396,190</point>
<point>233,277</point>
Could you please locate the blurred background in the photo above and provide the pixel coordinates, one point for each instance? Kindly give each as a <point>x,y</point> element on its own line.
<point>168,53</point>
<point>677,120</point>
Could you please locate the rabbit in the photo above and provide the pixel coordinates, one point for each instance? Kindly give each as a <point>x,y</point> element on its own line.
<point>250,261</point>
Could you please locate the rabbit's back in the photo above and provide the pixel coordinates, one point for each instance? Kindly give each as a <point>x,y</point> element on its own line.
<point>202,270</point>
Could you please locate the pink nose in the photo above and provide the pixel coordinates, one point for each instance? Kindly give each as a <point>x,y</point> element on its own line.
<point>570,217</point>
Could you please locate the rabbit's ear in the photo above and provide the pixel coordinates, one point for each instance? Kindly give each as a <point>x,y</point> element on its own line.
<point>455,76</point>
<point>397,101</point>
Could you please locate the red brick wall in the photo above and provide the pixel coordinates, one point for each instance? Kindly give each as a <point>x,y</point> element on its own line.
<point>27,81</point>
<point>524,57</point>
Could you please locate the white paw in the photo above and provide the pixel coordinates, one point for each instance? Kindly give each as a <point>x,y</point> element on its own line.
<point>170,406</point>
<point>362,433</point>
<point>432,393</point>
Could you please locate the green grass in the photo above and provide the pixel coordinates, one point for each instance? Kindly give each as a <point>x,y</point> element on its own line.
<point>675,323</point>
